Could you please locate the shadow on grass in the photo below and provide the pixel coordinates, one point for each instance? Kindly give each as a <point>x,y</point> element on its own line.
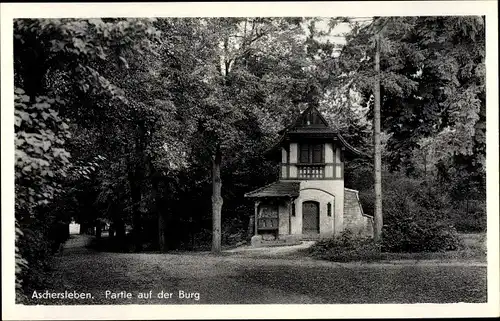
<point>472,248</point>
<point>126,245</point>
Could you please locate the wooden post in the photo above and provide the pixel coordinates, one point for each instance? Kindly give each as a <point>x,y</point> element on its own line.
<point>257,203</point>
<point>290,204</point>
<point>287,162</point>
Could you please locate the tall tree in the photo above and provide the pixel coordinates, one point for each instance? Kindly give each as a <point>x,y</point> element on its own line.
<point>431,86</point>
<point>377,160</point>
<point>247,61</point>
<point>432,82</point>
<point>56,78</point>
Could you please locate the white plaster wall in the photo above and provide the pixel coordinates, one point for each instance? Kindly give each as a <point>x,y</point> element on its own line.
<point>283,219</point>
<point>329,159</point>
<point>322,191</point>
<point>293,152</point>
<point>293,160</point>
<point>329,171</point>
<point>328,153</point>
<point>334,194</point>
<point>338,169</point>
<point>283,155</point>
<point>297,219</point>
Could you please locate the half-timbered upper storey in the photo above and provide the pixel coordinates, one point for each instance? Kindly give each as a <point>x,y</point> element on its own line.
<point>312,150</point>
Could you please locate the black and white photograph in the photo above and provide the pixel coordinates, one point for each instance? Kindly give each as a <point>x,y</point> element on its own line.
<point>252,158</point>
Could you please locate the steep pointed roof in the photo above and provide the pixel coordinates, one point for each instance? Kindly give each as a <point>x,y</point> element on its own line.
<point>308,120</point>
<point>311,123</point>
<point>311,118</point>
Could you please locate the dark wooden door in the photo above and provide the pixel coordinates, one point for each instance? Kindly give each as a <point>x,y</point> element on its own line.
<point>310,217</point>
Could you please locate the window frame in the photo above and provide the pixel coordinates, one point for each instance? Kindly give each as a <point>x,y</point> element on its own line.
<point>311,148</point>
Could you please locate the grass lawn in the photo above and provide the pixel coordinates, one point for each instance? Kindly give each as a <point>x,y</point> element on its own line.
<point>473,248</point>
<point>238,279</point>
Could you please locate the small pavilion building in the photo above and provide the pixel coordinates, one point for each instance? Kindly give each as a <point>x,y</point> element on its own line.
<point>309,201</point>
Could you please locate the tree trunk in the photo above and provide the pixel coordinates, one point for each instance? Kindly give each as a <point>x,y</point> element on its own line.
<point>111,231</point>
<point>162,234</point>
<point>120,229</point>
<point>98,230</point>
<point>251,226</point>
<point>377,146</point>
<point>83,228</point>
<point>135,177</point>
<point>216,202</point>
<point>136,213</point>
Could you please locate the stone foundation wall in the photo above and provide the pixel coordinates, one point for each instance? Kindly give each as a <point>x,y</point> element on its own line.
<point>354,218</point>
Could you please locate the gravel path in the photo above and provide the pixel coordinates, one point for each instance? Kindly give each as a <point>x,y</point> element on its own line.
<point>234,278</point>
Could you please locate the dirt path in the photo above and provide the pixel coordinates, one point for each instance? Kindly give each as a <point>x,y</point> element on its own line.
<point>275,251</point>
<point>77,241</point>
<point>237,279</point>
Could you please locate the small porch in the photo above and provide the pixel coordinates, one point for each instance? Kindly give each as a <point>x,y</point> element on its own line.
<point>274,214</point>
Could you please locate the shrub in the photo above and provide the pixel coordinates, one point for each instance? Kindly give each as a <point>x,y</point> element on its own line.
<point>470,218</point>
<point>417,218</point>
<point>346,247</point>
<point>35,249</point>
<point>234,231</point>
<point>21,265</point>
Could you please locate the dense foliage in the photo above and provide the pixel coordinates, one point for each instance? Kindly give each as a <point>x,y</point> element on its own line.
<point>345,248</point>
<point>418,217</point>
<point>158,126</point>
<point>433,118</point>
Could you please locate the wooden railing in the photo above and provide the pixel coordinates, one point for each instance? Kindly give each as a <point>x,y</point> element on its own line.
<point>311,171</point>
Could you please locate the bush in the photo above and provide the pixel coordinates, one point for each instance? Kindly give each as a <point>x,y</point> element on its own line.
<point>417,217</point>
<point>35,249</point>
<point>21,265</point>
<point>472,219</point>
<point>234,231</point>
<point>346,247</point>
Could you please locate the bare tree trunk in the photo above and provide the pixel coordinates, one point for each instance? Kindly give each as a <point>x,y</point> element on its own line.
<point>83,228</point>
<point>120,229</point>
<point>216,202</point>
<point>251,226</point>
<point>136,196</point>
<point>111,231</point>
<point>136,176</point>
<point>377,146</point>
<point>162,235</point>
<point>98,230</point>
<point>425,174</point>
<point>467,198</point>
